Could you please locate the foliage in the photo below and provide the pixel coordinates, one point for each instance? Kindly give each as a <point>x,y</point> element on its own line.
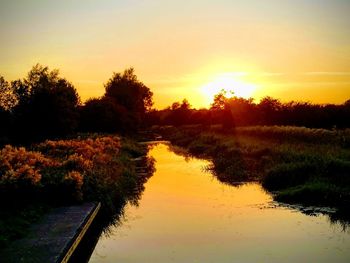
<point>293,162</point>
<point>21,167</point>
<point>7,98</point>
<point>121,109</point>
<point>103,115</point>
<point>287,175</point>
<point>7,101</point>
<point>314,193</point>
<point>46,106</point>
<point>179,114</point>
<point>57,165</point>
<point>297,134</point>
<point>130,93</point>
<point>61,172</point>
<point>233,112</point>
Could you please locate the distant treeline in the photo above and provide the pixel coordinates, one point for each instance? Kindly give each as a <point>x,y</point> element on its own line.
<point>234,111</point>
<point>44,105</point>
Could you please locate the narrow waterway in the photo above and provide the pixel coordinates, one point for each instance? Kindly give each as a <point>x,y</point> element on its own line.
<point>186,215</point>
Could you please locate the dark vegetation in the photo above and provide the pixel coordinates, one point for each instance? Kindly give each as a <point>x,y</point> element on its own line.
<point>48,162</point>
<point>299,165</point>
<point>241,137</point>
<point>65,172</point>
<point>237,112</point>
<point>44,106</point>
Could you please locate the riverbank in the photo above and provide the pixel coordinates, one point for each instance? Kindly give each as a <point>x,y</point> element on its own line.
<point>89,168</point>
<point>298,165</point>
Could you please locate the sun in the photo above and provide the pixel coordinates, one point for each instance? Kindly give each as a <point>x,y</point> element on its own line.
<point>231,84</point>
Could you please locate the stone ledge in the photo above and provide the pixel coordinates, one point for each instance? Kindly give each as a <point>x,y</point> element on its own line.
<point>55,237</point>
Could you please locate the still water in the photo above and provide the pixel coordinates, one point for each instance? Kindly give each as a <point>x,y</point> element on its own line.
<point>186,215</point>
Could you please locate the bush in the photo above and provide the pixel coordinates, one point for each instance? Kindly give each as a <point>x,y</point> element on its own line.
<point>314,193</point>
<point>338,171</point>
<point>287,175</point>
<point>57,167</point>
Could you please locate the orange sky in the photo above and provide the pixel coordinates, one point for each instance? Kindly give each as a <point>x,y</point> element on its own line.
<point>292,50</point>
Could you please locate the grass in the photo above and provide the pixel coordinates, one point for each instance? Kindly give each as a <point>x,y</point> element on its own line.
<point>296,164</point>
<point>313,192</point>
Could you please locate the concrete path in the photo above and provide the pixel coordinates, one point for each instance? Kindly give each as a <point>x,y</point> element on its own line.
<point>55,237</point>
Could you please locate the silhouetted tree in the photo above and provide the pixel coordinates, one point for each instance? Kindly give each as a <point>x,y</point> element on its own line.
<point>127,91</point>
<point>234,111</point>
<point>5,125</point>
<point>180,113</point>
<point>7,101</point>
<point>228,121</point>
<point>7,97</point>
<point>219,101</point>
<point>104,115</point>
<point>243,111</point>
<point>47,105</point>
<point>268,110</point>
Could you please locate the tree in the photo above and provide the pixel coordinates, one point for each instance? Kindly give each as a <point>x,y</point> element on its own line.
<point>180,113</point>
<point>228,121</point>
<point>176,105</point>
<point>269,109</point>
<point>219,101</point>
<point>103,115</point>
<point>127,91</point>
<point>7,97</point>
<point>7,101</point>
<point>47,105</point>
<point>242,110</point>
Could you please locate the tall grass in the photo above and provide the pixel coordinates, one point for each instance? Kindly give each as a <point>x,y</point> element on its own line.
<point>295,134</point>
<point>292,162</point>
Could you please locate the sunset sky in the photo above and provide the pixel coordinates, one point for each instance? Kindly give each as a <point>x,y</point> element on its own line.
<point>292,50</point>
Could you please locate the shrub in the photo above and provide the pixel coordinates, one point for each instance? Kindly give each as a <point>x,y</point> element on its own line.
<point>314,193</point>
<point>288,174</point>
<point>58,167</point>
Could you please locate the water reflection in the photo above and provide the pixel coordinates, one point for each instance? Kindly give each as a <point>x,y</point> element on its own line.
<point>339,216</point>
<point>186,215</point>
<point>107,221</point>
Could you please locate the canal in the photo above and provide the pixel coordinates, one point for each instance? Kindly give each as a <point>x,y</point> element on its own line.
<point>186,215</point>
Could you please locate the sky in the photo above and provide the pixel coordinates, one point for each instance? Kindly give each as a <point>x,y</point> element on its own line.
<point>286,49</point>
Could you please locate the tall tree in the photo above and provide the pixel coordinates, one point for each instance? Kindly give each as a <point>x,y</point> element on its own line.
<point>7,101</point>
<point>103,115</point>
<point>127,91</point>
<point>47,105</point>
<point>7,97</point>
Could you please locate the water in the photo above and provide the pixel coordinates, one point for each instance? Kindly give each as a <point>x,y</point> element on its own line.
<point>186,215</point>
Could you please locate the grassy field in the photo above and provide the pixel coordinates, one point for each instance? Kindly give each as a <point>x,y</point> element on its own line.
<point>65,172</point>
<point>296,164</point>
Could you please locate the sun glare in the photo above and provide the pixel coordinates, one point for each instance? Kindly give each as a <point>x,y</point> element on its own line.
<point>230,84</point>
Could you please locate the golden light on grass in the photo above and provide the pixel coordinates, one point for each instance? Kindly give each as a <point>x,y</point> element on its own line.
<point>229,83</point>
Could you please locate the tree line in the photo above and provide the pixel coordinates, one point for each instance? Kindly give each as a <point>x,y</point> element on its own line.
<point>234,111</point>
<point>44,105</point>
